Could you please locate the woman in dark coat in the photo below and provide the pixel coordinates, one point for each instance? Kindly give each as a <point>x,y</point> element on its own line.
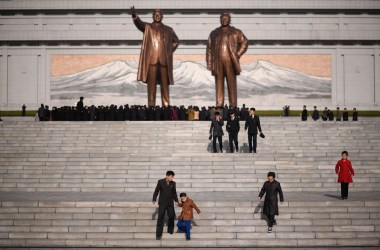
<point>271,188</point>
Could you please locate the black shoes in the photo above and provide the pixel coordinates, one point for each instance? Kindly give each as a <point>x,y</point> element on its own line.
<point>188,238</point>
<point>158,237</point>
<point>269,229</point>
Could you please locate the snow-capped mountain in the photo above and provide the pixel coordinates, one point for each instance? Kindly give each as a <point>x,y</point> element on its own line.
<point>192,81</point>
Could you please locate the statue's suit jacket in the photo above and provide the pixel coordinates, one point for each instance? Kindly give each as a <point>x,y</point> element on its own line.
<point>171,43</point>
<point>237,44</point>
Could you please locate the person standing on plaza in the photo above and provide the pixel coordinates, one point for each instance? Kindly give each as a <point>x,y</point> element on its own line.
<point>23,113</point>
<point>252,124</point>
<point>345,172</point>
<point>233,128</point>
<point>271,189</point>
<point>216,131</point>
<point>304,114</point>
<point>315,114</point>
<point>168,195</point>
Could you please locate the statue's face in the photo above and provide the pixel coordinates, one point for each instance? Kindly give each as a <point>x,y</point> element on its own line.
<point>157,17</point>
<point>225,20</point>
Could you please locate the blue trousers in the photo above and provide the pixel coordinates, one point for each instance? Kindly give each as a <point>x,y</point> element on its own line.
<point>184,225</point>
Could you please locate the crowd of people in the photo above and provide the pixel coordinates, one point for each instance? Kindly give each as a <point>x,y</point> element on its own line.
<point>328,115</point>
<point>135,113</point>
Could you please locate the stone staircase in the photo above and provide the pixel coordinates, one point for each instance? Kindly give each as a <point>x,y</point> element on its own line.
<point>91,183</point>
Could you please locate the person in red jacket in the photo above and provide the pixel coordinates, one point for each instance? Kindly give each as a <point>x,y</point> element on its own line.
<point>345,172</point>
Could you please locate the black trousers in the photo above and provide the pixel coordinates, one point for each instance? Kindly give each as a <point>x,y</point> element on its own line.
<point>219,137</point>
<point>344,189</point>
<point>162,209</point>
<point>252,142</point>
<point>271,220</point>
<point>233,138</point>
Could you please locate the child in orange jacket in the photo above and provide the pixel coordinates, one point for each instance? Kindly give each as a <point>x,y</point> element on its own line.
<point>184,220</point>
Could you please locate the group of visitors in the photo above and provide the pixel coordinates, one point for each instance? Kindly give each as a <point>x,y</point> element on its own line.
<point>252,127</point>
<point>136,113</point>
<point>167,192</point>
<point>328,115</point>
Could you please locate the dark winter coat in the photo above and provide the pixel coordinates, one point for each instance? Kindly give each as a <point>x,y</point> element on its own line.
<point>216,128</point>
<point>271,189</point>
<point>233,126</point>
<point>253,124</point>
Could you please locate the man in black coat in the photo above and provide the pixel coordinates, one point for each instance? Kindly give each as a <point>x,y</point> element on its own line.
<point>315,114</point>
<point>167,189</point>
<point>80,108</point>
<point>216,131</point>
<point>271,188</point>
<point>233,128</point>
<point>304,114</point>
<point>243,113</point>
<point>253,125</point>
<point>355,115</point>
<point>345,115</point>
<point>41,113</point>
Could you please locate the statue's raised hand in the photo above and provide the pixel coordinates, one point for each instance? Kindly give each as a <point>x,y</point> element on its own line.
<point>133,12</point>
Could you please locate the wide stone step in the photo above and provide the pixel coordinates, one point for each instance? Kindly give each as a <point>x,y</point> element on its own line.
<point>223,223</point>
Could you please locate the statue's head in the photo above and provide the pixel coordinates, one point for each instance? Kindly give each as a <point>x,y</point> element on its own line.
<point>157,16</point>
<point>225,19</point>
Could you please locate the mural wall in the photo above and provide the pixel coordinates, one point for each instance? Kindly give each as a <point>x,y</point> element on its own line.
<point>270,81</point>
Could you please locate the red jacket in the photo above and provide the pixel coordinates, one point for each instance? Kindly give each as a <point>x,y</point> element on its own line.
<point>344,170</point>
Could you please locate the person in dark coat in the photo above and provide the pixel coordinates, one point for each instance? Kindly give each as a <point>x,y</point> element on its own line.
<point>23,110</point>
<point>345,115</point>
<point>344,170</point>
<point>80,108</point>
<point>355,115</point>
<point>216,130</point>
<point>47,113</point>
<point>338,115</point>
<point>330,115</point>
<point>167,189</point>
<point>41,113</point>
<point>182,113</point>
<point>233,128</point>
<point>203,114</point>
<point>271,189</point>
<point>92,113</point>
<point>315,114</point>
<point>304,114</point>
<point>243,113</point>
<point>253,125</point>
<point>325,115</point>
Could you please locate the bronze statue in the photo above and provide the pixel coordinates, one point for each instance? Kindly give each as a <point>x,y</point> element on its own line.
<point>156,58</point>
<point>225,46</point>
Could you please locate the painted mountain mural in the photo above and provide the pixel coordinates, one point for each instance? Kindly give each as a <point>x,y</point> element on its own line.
<point>261,83</point>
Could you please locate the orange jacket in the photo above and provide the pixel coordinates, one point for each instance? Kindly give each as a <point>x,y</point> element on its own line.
<point>187,209</point>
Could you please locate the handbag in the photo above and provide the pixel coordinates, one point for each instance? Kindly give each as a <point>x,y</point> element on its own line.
<point>262,135</point>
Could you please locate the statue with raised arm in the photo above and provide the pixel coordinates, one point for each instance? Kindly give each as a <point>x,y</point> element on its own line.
<point>156,57</point>
<point>225,46</point>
